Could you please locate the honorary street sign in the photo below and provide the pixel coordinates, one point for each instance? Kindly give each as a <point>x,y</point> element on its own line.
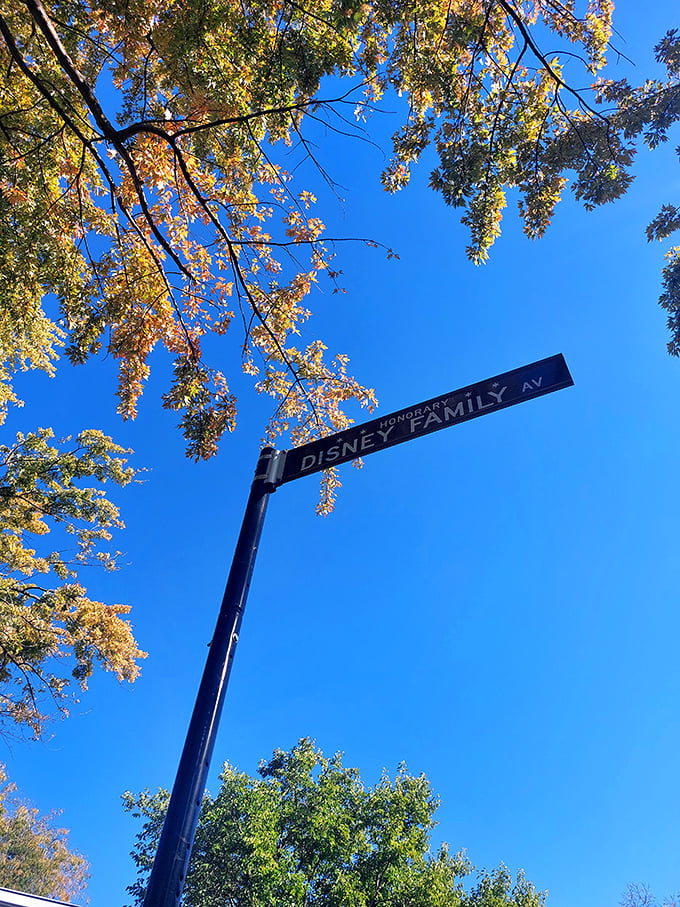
<point>274,467</point>
<point>520,384</point>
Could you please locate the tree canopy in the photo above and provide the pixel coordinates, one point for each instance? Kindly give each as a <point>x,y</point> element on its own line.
<point>34,855</point>
<point>49,627</point>
<point>143,201</point>
<point>308,832</point>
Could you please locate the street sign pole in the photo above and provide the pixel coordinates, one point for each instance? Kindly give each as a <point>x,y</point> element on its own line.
<point>274,468</point>
<point>169,870</point>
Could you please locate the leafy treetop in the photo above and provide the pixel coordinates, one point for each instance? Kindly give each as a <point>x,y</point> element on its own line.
<point>308,832</point>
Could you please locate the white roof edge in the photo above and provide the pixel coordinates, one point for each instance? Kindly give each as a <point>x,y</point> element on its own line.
<point>9,898</point>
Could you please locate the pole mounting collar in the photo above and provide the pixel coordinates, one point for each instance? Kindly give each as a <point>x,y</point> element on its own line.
<point>269,468</point>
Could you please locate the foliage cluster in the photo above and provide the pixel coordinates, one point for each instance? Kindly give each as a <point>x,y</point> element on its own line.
<point>46,616</point>
<point>308,833</point>
<point>159,213</point>
<point>34,855</point>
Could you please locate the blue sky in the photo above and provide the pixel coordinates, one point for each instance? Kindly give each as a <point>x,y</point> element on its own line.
<point>494,604</point>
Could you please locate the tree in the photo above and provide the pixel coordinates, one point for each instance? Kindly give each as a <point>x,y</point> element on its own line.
<point>155,213</point>
<point>308,832</point>
<point>46,616</point>
<point>648,111</point>
<point>640,896</point>
<point>158,212</point>
<point>34,855</point>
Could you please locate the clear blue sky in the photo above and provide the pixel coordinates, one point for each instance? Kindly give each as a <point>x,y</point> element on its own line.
<point>495,604</point>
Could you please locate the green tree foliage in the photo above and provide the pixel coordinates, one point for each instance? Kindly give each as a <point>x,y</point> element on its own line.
<point>308,832</point>
<point>51,632</point>
<point>34,855</point>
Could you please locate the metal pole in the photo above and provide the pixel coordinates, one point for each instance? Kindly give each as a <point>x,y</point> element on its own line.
<point>169,870</point>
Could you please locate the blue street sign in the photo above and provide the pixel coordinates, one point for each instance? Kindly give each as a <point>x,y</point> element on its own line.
<point>461,405</point>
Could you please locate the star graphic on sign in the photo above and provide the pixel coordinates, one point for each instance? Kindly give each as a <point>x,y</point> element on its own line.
<point>495,385</point>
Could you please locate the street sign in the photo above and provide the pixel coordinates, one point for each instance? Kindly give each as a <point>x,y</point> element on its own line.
<point>274,467</point>
<point>525,383</point>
